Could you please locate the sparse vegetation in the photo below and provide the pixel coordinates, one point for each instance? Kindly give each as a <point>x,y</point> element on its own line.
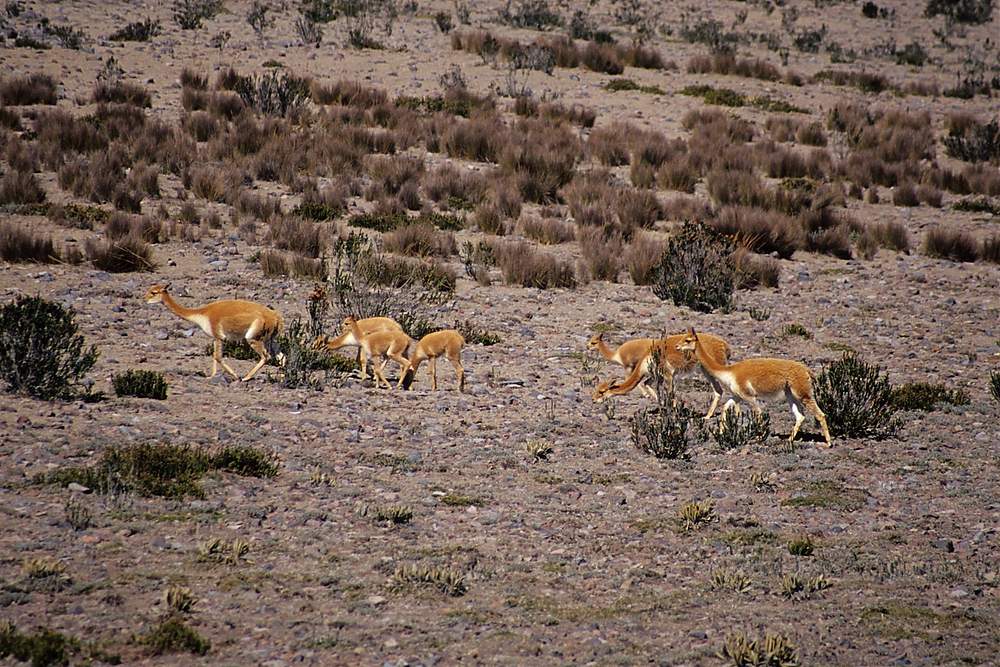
<point>447,581</point>
<point>692,516</point>
<point>857,399</point>
<point>801,546</point>
<point>995,385</point>
<point>926,396</point>
<point>796,587</point>
<point>140,384</point>
<point>164,470</point>
<point>41,352</point>
<point>696,270</point>
<point>731,580</point>
<point>772,650</point>
<point>538,450</point>
<point>173,635</point>
<point>738,430</point>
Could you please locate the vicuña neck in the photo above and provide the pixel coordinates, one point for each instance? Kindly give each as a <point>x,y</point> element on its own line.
<point>705,359</point>
<point>356,330</point>
<point>603,348</point>
<point>178,309</point>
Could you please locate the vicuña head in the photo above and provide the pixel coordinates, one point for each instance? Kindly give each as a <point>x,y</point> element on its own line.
<point>751,379</point>
<point>229,319</point>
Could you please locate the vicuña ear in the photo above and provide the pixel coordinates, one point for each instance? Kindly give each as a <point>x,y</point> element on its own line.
<point>166,287</point>
<point>691,330</point>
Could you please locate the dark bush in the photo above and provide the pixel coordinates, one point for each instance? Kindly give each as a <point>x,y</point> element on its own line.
<point>124,255</point>
<point>273,93</point>
<point>742,429</point>
<point>41,353</point>
<point>173,635</point>
<point>667,429</point>
<point>522,264</point>
<point>995,385</point>
<point>989,249</point>
<point>976,142</point>
<point>953,244</point>
<point>961,11</point>
<point>30,89</point>
<point>20,187</point>
<point>140,384</point>
<point>925,396</point>
<point>697,270</point>
<point>857,399</point>
<point>138,31</point>
<point>44,648</point>
<point>20,245</point>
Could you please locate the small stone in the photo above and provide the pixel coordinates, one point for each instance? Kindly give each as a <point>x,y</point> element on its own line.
<point>78,488</point>
<point>699,634</point>
<point>375,599</point>
<point>161,335</point>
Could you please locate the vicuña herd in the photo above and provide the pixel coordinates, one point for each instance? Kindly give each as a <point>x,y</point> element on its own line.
<point>382,338</point>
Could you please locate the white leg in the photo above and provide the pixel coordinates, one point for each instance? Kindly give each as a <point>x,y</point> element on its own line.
<point>799,417</point>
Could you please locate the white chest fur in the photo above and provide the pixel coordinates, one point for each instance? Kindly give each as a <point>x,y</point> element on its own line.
<point>204,323</point>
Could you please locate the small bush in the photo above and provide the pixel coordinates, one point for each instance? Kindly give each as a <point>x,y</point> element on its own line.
<point>245,460</point>
<point>892,235</point>
<point>173,635</point>
<point>41,353</point>
<point>975,142</point>
<point>769,651</point>
<point>995,385</point>
<point>905,195</point>
<point>989,250</point>
<point>642,256</point>
<point>977,205</point>
<point>420,239</point>
<point>124,255</point>
<point>953,244</point>
<point>548,231</point>
<point>601,251</point>
<point>697,270</point>
<point>857,399</point>
<point>801,546</point>
<point>20,187</point>
<point>122,92</point>
<point>138,31</point>
<point>522,264</point>
<point>141,384</point>
<point>739,430</point>
<point>961,11</point>
<point>44,648</point>
<point>925,396</point>
<point>445,580</point>
<point>273,93</point>
<point>20,245</point>
<point>667,429</point>
<point>190,13</point>
<point>692,516</point>
<point>30,89</point>
<point>795,587</point>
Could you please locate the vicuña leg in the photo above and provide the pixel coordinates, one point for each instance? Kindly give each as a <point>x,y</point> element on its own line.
<point>217,357</point>
<point>456,361</point>
<point>799,417</point>
<point>260,349</point>
<point>377,371</point>
<point>434,375</point>
<point>813,407</point>
<point>716,393</point>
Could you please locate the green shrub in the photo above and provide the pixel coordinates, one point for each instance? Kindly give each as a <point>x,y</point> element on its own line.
<point>667,429</point>
<point>445,580</point>
<point>801,546</point>
<point>720,96</point>
<point>474,335</point>
<point>318,211</point>
<point>41,353</point>
<point>857,399</point>
<point>273,93</point>
<point>141,384</point>
<point>977,205</point>
<point>995,385</point>
<point>925,395</point>
<point>163,470</point>
<point>697,270</point>
<point>769,651</point>
<point>738,430</point>
<point>615,85</point>
<point>42,649</point>
<point>961,11</point>
<point>979,142</point>
<point>139,31</point>
<point>246,461</point>
<point>173,635</point>
<point>694,515</point>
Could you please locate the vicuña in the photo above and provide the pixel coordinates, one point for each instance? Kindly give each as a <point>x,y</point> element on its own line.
<point>445,343</point>
<point>672,361</point>
<point>379,344</point>
<point>751,379</point>
<point>228,319</point>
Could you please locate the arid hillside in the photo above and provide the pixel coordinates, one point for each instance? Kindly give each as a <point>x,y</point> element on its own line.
<point>814,181</point>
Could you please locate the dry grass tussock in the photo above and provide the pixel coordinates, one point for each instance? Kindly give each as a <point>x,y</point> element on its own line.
<point>523,264</point>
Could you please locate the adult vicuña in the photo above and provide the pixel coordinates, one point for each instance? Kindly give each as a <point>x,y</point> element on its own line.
<point>228,319</point>
<point>447,343</point>
<point>368,325</point>
<point>380,344</point>
<point>672,361</point>
<point>629,354</point>
<point>751,379</point>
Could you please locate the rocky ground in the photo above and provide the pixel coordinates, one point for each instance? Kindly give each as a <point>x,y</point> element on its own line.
<point>577,559</point>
